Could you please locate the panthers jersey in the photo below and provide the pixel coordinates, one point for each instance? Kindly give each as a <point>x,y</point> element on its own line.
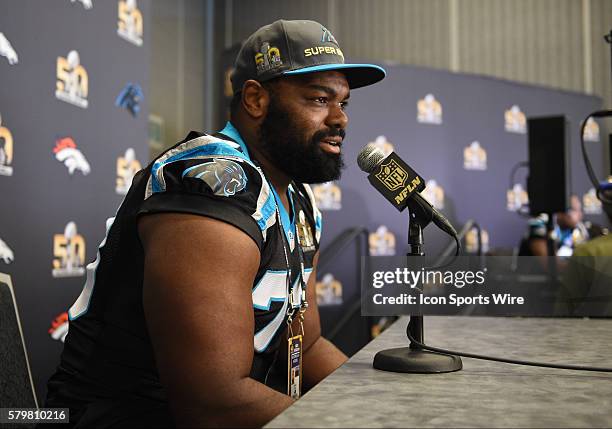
<point>108,352</point>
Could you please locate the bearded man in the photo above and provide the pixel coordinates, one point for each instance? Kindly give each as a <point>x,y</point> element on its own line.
<point>204,284</point>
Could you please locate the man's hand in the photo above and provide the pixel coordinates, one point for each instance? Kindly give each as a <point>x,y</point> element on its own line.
<point>197,300</point>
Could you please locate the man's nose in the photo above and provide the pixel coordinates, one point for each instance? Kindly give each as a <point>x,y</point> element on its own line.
<point>337,117</point>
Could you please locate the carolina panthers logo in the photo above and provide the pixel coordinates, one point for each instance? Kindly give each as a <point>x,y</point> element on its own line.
<point>224,177</point>
<point>129,98</point>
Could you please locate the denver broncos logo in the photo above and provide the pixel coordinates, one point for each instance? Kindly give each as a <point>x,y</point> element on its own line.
<point>224,177</point>
<point>59,327</point>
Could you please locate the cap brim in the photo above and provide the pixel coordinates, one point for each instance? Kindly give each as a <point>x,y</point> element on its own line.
<point>357,75</point>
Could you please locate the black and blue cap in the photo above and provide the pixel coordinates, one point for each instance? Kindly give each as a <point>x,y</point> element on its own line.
<point>286,48</point>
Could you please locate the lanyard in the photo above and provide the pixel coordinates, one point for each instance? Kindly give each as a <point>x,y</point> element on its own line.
<point>299,304</point>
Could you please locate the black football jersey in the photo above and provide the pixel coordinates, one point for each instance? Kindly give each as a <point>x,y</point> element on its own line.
<point>108,352</point>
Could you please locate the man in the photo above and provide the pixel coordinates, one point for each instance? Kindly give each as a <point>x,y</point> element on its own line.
<point>569,232</point>
<point>204,285</point>
<point>587,282</point>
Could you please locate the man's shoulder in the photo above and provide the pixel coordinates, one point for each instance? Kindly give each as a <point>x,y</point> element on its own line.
<point>213,176</point>
<point>600,246</point>
<point>198,144</point>
<point>213,159</point>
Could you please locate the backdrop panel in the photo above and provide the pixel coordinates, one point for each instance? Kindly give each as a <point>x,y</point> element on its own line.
<point>72,106</point>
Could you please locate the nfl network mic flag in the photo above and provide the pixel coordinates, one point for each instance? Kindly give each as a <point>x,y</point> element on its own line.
<point>396,181</point>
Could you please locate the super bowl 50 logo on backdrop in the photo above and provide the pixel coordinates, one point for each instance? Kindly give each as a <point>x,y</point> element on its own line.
<point>127,167</point>
<point>384,145</point>
<point>517,199</point>
<point>328,196</point>
<point>471,241</point>
<point>590,203</point>
<point>434,193</point>
<point>6,151</point>
<point>68,253</point>
<point>129,25</point>
<point>474,157</point>
<point>382,242</point>
<point>515,121</point>
<point>72,80</point>
<point>429,110</point>
<point>591,131</point>
<point>329,291</point>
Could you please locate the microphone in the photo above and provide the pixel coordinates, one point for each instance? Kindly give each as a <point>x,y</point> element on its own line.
<point>398,183</point>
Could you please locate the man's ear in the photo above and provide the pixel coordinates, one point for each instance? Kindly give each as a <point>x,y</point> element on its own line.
<point>255,99</point>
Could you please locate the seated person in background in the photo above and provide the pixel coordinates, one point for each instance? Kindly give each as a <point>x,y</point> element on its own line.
<point>588,278</point>
<point>569,232</point>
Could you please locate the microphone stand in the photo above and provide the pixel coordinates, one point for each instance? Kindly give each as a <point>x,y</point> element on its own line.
<point>414,358</point>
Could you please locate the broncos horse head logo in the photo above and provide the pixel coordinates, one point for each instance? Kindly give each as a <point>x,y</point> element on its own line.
<point>224,177</point>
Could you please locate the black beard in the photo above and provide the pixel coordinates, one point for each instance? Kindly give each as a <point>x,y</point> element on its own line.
<point>296,155</point>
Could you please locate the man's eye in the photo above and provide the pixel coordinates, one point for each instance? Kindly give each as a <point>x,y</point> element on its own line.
<point>344,105</point>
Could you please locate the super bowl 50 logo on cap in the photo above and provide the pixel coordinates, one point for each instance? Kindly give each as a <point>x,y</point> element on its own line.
<point>68,253</point>
<point>515,121</point>
<point>66,152</point>
<point>6,50</point>
<point>129,25</point>
<point>127,167</point>
<point>6,151</point>
<point>429,110</point>
<point>382,242</point>
<point>267,58</point>
<point>328,196</point>
<point>72,80</point>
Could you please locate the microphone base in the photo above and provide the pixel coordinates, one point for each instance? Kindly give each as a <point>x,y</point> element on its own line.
<point>405,359</point>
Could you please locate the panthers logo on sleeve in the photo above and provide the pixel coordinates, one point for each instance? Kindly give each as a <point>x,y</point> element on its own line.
<point>223,176</point>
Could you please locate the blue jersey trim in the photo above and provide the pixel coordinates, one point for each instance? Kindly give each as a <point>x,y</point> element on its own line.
<point>267,211</point>
<point>233,133</point>
<point>286,221</point>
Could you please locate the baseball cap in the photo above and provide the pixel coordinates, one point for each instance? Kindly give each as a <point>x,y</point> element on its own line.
<point>286,48</point>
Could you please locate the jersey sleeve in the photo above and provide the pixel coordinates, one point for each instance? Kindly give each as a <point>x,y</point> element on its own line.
<point>537,227</point>
<point>213,179</point>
